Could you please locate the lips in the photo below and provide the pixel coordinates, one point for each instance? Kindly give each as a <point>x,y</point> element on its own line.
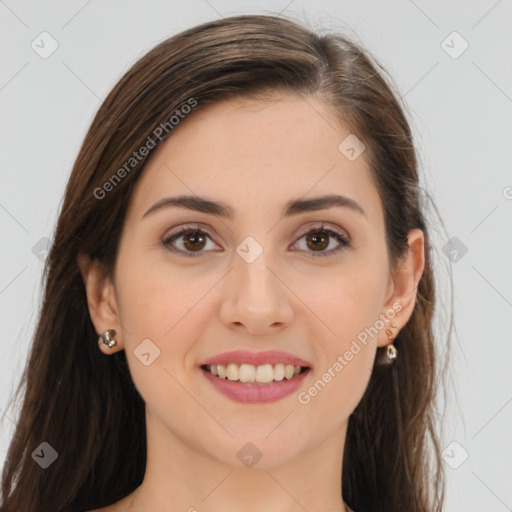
<point>256,358</point>
<point>255,392</point>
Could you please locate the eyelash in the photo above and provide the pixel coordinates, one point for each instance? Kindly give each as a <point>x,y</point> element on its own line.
<point>188,229</point>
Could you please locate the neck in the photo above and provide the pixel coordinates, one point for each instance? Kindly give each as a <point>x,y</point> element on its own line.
<point>182,477</point>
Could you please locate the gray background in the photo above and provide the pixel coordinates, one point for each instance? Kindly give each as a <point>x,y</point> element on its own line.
<point>460,111</point>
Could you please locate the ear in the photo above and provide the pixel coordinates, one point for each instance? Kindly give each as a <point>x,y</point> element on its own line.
<point>403,286</point>
<point>101,301</point>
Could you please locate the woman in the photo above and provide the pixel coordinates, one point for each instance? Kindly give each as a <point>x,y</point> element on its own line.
<point>238,300</point>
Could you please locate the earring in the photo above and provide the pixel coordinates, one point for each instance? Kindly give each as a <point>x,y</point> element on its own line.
<point>107,337</point>
<point>391,351</point>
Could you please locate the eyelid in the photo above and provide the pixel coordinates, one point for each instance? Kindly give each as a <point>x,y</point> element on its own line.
<point>186,227</point>
<point>334,230</point>
<point>183,229</point>
<point>327,226</point>
<point>304,230</point>
<point>343,239</point>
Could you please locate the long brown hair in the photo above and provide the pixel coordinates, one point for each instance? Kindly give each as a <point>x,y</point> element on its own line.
<point>85,405</point>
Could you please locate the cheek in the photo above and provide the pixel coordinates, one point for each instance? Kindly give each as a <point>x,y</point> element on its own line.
<point>163,304</point>
<point>153,295</point>
<point>337,388</point>
<point>346,300</point>
<point>156,316</point>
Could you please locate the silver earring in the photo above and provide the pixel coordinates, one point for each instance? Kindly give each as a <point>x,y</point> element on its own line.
<point>107,337</point>
<point>391,351</point>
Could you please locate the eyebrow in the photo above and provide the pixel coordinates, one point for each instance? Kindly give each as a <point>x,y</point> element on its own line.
<point>219,209</point>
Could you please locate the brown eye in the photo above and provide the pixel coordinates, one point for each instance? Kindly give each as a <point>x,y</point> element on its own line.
<point>317,240</point>
<point>194,240</point>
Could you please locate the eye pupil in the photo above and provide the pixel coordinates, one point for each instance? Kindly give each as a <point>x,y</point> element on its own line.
<point>321,238</point>
<point>193,237</point>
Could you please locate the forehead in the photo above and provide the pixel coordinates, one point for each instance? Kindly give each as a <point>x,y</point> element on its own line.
<point>249,153</point>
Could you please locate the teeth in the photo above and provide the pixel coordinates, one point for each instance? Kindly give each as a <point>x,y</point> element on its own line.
<point>264,374</point>
<point>260,374</point>
<point>232,372</point>
<point>246,373</point>
<point>279,372</point>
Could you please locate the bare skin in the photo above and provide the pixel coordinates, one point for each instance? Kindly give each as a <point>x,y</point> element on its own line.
<point>255,156</point>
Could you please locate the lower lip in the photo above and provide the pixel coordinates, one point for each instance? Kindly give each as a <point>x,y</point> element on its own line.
<point>254,393</point>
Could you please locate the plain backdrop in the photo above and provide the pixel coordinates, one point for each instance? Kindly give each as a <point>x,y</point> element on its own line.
<point>452,67</point>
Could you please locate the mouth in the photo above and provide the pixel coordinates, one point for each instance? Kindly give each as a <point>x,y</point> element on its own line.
<point>251,375</point>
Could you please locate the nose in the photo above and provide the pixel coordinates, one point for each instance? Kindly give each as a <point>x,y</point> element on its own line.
<point>257,299</point>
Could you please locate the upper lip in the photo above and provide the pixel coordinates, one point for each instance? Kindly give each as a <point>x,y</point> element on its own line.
<point>256,358</point>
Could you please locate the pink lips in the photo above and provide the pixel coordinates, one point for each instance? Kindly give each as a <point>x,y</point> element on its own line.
<point>252,393</point>
<point>256,358</point>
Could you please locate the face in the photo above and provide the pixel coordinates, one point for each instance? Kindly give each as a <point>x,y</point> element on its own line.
<point>306,282</point>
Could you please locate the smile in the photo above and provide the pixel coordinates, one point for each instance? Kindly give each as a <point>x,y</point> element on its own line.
<point>251,374</point>
<point>252,391</point>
